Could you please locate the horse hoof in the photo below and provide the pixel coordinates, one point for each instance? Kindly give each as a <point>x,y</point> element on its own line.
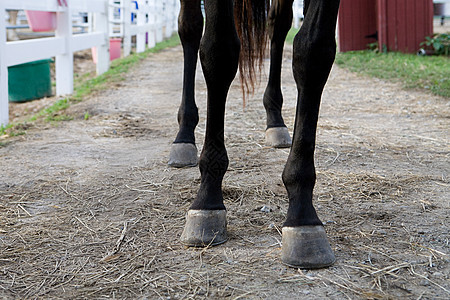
<point>306,247</point>
<point>183,155</point>
<point>278,137</point>
<point>205,228</point>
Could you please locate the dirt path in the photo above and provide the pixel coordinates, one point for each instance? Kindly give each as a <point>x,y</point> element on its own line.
<point>89,208</point>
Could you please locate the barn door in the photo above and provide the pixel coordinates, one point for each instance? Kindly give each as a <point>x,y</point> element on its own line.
<point>357,24</point>
<point>404,24</point>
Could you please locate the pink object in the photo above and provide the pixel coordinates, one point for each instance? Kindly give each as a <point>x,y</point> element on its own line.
<point>41,20</point>
<point>114,49</point>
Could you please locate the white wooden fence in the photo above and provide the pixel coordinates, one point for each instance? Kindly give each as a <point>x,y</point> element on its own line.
<point>155,18</point>
<point>61,46</point>
<point>297,8</point>
<point>153,21</point>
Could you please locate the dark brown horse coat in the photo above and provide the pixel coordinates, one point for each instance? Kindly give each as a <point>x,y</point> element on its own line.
<point>234,36</point>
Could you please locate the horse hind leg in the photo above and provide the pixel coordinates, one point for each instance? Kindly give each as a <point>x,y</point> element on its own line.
<point>219,55</point>
<point>279,23</point>
<point>304,242</point>
<point>190,28</point>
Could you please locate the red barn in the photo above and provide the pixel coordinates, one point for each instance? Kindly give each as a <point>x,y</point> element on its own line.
<point>398,25</point>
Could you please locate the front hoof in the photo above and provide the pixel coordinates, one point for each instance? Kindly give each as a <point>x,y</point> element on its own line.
<point>306,247</point>
<point>278,137</point>
<point>183,155</point>
<point>205,228</point>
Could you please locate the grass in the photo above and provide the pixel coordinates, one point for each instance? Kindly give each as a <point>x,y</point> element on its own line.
<point>424,72</point>
<point>51,112</point>
<point>290,36</point>
<point>430,73</point>
<point>88,84</point>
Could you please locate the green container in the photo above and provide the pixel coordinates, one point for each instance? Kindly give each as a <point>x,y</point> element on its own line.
<point>29,81</point>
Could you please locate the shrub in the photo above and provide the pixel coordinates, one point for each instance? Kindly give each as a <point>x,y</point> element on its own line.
<point>439,42</point>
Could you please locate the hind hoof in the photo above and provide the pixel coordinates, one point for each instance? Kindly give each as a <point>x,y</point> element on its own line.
<point>183,155</point>
<point>205,228</point>
<point>278,137</point>
<point>306,247</point>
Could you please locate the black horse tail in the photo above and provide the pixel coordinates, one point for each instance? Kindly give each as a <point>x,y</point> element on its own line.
<point>251,19</point>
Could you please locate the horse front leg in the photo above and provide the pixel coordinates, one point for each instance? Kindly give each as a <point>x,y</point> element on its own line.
<point>304,242</point>
<point>219,55</point>
<point>279,23</point>
<point>190,29</point>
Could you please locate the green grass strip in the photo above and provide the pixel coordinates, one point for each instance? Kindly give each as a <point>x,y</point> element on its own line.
<point>291,35</point>
<point>424,72</point>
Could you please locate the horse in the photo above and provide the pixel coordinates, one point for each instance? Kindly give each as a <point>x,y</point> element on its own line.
<point>235,36</point>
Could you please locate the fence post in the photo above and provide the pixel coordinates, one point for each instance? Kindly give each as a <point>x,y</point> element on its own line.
<point>152,21</point>
<point>140,20</point>
<point>64,62</point>
<point>175,16</point>
<point>126,10</point>
<point>298,12</point>
<point>101,24</point>
<point>168,11</point>
<point>159,11</point>
<point>4,104</point>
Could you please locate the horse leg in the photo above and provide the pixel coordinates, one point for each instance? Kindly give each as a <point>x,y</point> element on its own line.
<point>304,240</point>
<point>280,21</point>
<point>219,55</point>
<point>190,29</point>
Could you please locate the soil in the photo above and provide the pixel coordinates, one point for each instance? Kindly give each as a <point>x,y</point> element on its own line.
<point>90,209</point>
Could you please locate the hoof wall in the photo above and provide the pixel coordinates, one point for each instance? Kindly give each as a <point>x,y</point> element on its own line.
<point>183,155</point>
<point>306,247</point>
<point>205,228</point>
<point>278,137</point>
